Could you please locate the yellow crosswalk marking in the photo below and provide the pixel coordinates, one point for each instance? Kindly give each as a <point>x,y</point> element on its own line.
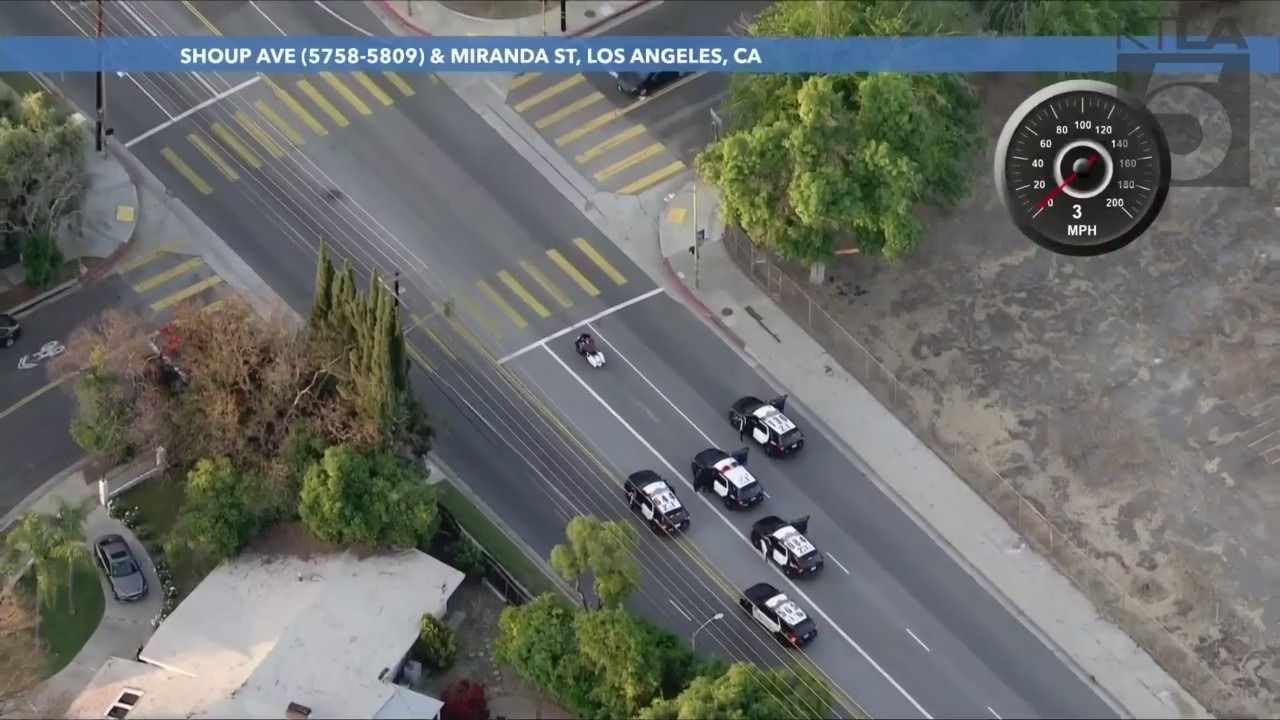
<point>373,88</point>
<point>213,157</point>
<point>230,140</point>
<point>259,135</point>
<point>399,83</point>
<point>613,142</point>
<point>307,118</point>
<point>589,126</point>
<point>279,123</point>
<point>502,304</point>
<point>341,88</point>
<point>599,260</point>
<point>311,92</point>
<point>568,110</point>
<point>652,178</point>
<point>515,287</point>
<point>629,161</point>
<point>435,79</point>
<point>185,171</point>
<point>147,259</point>
<point>482,318</point>
<point>186,293</point>
<point>521,80</point>
<point>214,306</point>
<point>176,271</point>
<point>568,269</point>
<point>418,357</point>
<point>545,95</point>
<point>545,283</point>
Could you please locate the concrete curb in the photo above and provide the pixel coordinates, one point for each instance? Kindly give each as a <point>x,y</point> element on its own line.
<point>700,307</point>
<point>36,495</point>
<point>414,28</point>
<point>26,306</point>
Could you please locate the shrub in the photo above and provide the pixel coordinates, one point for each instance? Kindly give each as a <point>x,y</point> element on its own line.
<point>467,556</point>
<point>464,700</point>
<point>436,645</point>
<point>42,260</point>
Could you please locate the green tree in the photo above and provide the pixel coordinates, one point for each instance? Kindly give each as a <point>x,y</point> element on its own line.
<point>629,665</point>
<point>322,303</point>
<point>1072,17</point>
<point>48,541</point>
<point>606,549</point>
<point>221,513</point>
<point>106,413</point>
<point>747,692</point>
<point>367,497</point>
<point>41,259</point>
<point>538,639</point>
<point>812,161</point>
<point>42,168</point>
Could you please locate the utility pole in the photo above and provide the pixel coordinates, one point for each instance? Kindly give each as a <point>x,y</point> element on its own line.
<point>564,16</point>
<point>101,101</point>
<point>544,18</point>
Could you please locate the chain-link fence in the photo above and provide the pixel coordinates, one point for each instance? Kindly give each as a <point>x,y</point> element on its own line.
<point>859,359</point>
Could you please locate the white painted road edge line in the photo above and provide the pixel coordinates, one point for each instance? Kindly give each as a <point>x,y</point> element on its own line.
<point>833,559</point>
<point>677,474</point>
<point>680,610</point>
<point>186,114</point>
<point>341,19</point>
<point>602,314</point>
<point>917,639</point>
<point>993,713</point>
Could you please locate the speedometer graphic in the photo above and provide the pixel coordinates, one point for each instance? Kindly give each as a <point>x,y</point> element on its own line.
<point>1082,170</point>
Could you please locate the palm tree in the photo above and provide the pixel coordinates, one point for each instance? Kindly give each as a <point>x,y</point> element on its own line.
<point>69,541</point>
<point>33,540</point>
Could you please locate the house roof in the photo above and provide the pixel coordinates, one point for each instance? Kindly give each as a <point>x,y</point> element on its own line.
<point>258,633</point>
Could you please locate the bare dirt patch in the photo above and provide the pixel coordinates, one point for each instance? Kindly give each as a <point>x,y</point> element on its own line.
<point>1130,398</point>
<point>473,614</point>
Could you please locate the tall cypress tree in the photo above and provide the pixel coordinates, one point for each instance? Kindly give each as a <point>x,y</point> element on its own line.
<point>323,302</point>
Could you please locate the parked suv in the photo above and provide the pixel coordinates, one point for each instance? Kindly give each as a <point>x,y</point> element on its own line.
<point>123,572</point>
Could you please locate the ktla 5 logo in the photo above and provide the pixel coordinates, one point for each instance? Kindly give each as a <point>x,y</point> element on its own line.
<point>1198,89</point>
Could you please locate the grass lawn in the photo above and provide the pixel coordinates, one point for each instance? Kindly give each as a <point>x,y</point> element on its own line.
<point>159,501</point>
<point>490,537</point>
<point>64,634</point>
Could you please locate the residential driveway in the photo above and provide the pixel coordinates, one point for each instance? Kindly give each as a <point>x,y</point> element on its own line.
<point>125,627</point>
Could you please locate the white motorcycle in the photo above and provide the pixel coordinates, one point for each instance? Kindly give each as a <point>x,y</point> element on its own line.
<point>587,349</point>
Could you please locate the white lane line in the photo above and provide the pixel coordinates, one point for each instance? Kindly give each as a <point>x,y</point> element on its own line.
<point>147,28</point>
<point>602,314</point>
<point>918,640</point>
<point>680,610</point>
<point>733,529</point>
<point>343,20</point>
<point>188,113</point>
<point>833,559</point>
<point>994,714</point>
<point>267,17</point>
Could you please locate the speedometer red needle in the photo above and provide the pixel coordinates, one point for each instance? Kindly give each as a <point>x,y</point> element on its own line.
<point>1070,179</point>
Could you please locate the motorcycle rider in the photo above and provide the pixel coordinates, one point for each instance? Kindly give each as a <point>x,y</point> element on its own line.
<point>585,344</point>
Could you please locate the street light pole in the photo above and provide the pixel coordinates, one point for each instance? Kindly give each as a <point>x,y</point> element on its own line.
<point>693,639</point>
<point>564,17</point>
<point>100,102</point>
<point>697,246</point>
<point>544,17</point>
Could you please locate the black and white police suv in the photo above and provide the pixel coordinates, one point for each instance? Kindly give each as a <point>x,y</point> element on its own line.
<point>766,424</point>
<point>784,544</point>
<point>656,502</point>
<point>778,614</point>
<point>727,476</point>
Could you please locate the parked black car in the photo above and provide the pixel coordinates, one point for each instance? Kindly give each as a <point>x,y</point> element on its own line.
<point>784,544</point>
<point>123,572</point>
<point>727,476</point>
<point>644,84</point>
<point>10,330</point>
<point>651,495</point>
<point>766,424</point>
<point>778,614</point>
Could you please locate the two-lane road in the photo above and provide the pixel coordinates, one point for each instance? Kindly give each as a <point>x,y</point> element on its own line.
<point>424,186</point>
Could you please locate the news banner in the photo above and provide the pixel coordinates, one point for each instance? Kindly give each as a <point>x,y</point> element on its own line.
<point>612,54</point>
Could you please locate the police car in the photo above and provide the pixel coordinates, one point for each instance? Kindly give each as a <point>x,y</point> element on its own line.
<point>766,424</point>
<point>778,614</point>
<point>784,544</point>
<point>727,476</point>
<point>656,502</point>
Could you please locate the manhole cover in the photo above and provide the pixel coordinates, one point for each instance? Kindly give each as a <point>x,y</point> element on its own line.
<point>726,311</point>
<point>590,14</point>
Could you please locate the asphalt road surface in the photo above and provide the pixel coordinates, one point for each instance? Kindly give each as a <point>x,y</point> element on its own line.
<point>422,185</point>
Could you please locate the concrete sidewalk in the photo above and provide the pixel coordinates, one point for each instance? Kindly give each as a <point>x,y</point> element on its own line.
<point>424,17</point>
<point>942,503</point>
<point>125,627</point>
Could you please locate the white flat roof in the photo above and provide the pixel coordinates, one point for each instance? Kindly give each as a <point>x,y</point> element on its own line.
<point>261,632</point>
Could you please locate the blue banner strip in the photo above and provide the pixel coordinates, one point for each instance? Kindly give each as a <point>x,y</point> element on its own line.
<point>638,54</point>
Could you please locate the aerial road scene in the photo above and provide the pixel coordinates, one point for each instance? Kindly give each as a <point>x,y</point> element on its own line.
<point>667,359</point>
